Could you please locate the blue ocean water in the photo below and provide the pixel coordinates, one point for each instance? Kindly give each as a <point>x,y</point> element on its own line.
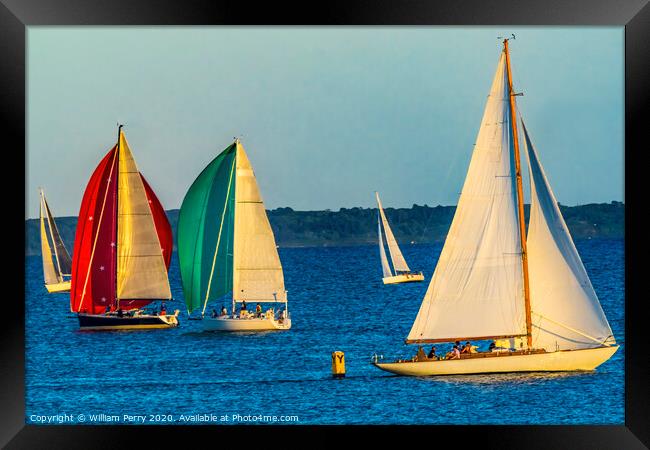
<point>337,302</point>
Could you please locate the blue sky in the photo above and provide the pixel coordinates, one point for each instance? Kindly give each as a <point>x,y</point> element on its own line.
<point>327,115</point>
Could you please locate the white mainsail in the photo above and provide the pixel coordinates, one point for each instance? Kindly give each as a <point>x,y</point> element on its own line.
<point>257,274</point>
<point>477,287</point>
<point>49,271</point>
<point>141,269</point>
<point>566,313</point>
<point>382,253</point>
<point>399,263</point>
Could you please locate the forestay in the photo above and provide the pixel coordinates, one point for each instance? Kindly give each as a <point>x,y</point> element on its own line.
<point>566,313</point>
<point>477,287</point>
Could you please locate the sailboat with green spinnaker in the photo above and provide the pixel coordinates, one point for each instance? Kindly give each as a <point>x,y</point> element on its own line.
<point>226,248</point>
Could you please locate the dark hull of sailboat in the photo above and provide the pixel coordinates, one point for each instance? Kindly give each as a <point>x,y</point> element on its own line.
<point>110,322</point>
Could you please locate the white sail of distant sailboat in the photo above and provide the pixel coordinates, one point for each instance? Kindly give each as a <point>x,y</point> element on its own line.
<point>401,272</point>
<point>56,259</point>
<point>492,282</point>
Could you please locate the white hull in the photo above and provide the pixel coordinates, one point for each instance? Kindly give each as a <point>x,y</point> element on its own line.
<point>560,361</point>
<point>58,287</point>
<point>244,324</point>
<point>404,278</point>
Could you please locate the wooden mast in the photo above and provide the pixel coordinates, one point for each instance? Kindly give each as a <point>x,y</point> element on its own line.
<point>520,197</point>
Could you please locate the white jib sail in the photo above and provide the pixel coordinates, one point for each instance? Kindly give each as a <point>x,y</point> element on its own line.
<point>257,274</point>
<point>49,271</point>
<point>141,270</point>
<point>382,253</point>
<point>477,287</point>
<point>399,263</point>
<point>566,313</point>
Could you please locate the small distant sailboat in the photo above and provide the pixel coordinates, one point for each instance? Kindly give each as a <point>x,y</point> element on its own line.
<point>494,282</point>
<point>402,272</point>
<point>123,248</point>
<point>226,247</point>
<point>57,264</point>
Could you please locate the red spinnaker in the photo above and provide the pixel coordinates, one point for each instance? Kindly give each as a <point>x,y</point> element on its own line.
<point>94,258</point>
<point>163,228</point>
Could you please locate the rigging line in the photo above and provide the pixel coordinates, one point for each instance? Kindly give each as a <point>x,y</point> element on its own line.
<point>223,215</point>
<point>571,329</point>
<point>101,214</point>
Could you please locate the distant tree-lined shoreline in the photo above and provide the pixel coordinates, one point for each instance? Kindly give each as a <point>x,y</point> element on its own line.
<point>358,226</point>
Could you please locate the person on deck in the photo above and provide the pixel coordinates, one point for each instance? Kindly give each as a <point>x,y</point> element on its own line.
<point>421,356</point>
<point>467,348</point>
<point>214,314</point>
<point>119,312</point>
<point>224,311</point>
<point>493,346</point>
<point>243,305</point>
<point>432,353</point>
<point>163,309</point>
<point>258,310</point>
<point>454,353</point>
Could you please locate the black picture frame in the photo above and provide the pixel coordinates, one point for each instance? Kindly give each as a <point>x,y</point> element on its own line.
<point>634,15</point>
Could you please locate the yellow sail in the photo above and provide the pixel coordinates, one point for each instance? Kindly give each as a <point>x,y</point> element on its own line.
<point>49,271</point>
<point>258,272</point>
<point>141,270</point>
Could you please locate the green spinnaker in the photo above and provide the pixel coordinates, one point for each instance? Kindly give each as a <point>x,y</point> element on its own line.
<point>207,217</point>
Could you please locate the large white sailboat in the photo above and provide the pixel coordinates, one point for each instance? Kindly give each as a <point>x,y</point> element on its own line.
<point>226,247</point>
<point>401,273</point>
<point>57,263</point>
<point>492,282</point>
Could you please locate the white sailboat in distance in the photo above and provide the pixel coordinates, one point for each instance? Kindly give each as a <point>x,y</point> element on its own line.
<point>401,272</point>
<point>57,263</point>
<point>492,282</point>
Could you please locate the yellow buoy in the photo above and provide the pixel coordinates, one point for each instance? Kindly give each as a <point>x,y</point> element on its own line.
<point>338,364</point>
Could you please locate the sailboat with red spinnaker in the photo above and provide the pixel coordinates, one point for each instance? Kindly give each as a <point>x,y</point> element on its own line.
<point>123,248</point>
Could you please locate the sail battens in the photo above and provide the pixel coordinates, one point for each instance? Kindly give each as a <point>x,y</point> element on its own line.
<point>477,285</point>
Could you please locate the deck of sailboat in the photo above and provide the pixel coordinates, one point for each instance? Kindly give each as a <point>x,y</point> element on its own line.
<point>536,360</point>
<point>404,278</point>
<point>64,286</point>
